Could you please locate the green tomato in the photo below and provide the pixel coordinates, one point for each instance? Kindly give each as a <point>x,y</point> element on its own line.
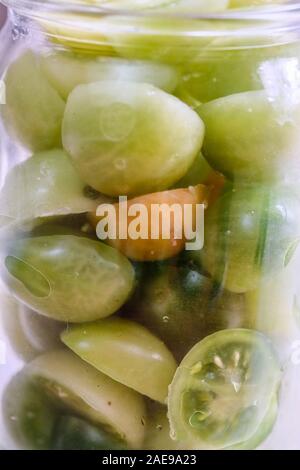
<point>29,415</point>
<point>66,277</point>
<point>88,393</point>
<point>253,136</point>
<point>34,109</point>
<point>44,185</point>
<point>72,433</point>
<point>182,305</point>
<point>28,334</point>
<point>235,61</point>
<point>65,71</point>
<point>223,389</point>
<point>264,429</point>
<point>58,384</point>
<point>130,138</point>
<point>249,233</point>
<point>126,352</point>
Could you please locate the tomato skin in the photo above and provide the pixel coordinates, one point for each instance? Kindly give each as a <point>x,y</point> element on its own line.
<point>248,235</point>
<point>181,305</point>
<point>152,249</point>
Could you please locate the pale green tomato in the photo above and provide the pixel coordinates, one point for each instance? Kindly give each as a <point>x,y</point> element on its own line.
<point>34,109</point>
<point>44,185</point>
<point>249,235</point>
<point>235,61</point>
<point>92,395</point>
<point>126,352</point>
<point>74,387</point>
<point>67,277</point>
<point>28,333</point>
<point>65,71</point>
<point>130,138</point>
<point>253,136</point>
<point>223,389</point>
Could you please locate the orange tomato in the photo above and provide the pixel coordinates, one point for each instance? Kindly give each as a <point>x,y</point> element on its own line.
<point>157,247</point>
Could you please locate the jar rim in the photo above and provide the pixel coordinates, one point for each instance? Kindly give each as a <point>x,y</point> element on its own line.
<point>286,11</point>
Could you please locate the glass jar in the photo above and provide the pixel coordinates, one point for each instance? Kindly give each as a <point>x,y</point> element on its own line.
<point>150,220</point>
